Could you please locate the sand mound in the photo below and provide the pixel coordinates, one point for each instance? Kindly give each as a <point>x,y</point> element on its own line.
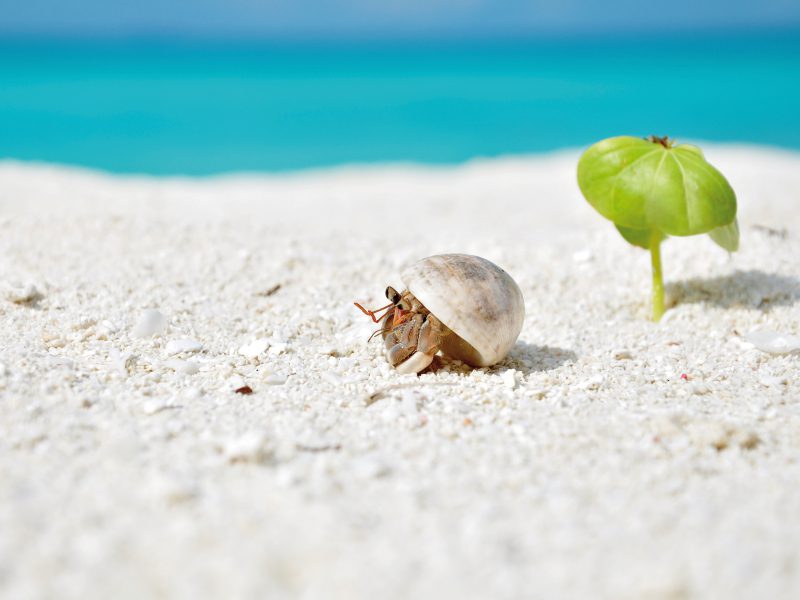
<point>607,456</point>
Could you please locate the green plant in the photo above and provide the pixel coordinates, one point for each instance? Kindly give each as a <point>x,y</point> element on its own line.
<point>651,188</point>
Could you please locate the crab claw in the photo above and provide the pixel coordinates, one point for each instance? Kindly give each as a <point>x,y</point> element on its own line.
<point>415,363</point>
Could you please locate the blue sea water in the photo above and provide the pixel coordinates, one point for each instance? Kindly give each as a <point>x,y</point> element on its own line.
<point>202,107</point>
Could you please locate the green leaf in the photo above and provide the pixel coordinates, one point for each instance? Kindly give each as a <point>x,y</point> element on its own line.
<point>636,237</point>
<point>726,236</point>
<point>642,184</point>
<point>693,148</point>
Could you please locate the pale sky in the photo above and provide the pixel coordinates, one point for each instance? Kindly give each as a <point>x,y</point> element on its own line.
<point>377,18</point>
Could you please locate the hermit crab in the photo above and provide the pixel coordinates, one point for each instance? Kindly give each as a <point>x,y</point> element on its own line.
<point>465,306</point>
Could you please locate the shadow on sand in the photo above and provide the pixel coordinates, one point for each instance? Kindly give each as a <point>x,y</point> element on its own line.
<point>742,289</point>
<point>530,358</point>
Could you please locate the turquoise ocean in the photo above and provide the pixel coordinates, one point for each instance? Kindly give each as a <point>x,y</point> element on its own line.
<point>194,107</point>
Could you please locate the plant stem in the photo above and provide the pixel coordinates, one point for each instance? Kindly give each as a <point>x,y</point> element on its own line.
<point>658,280</point>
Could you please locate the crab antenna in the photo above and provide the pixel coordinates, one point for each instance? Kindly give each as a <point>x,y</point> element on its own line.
<point>374,333</point>
<point>372,313</point>
<point>395,325</point>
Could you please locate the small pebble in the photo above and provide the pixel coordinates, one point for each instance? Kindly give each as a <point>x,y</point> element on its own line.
<point>510,378</point>
<point>122,362</point>
<point>193,394</point>
<point>151,323</point>
<point>151,407</point>
<point>255,348</point>
<point>537,394</point>
<point>593,383</point>
<point>108,327</point>
<point>275,379</point>
<point>250,447</point>
<point>83,323</point>
<point>582,256</point>
<point>774,342</point>
<point>187,367</point>
<point>190,368</point>
<point>235,382</point>
<point>276,348</point>
<point>22,294</point>
<point>185,345</point>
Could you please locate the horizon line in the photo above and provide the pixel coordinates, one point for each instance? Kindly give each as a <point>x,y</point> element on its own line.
<point>429,36</point>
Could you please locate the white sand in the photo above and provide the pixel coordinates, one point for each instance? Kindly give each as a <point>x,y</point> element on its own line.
<point>582,466</point>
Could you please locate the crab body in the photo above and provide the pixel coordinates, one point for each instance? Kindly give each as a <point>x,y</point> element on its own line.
<point>411,335</point>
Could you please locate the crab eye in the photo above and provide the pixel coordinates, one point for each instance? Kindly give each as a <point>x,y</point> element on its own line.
<point>392,295</point>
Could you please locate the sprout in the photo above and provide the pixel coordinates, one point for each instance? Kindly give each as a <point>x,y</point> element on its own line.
<point>650,189</point>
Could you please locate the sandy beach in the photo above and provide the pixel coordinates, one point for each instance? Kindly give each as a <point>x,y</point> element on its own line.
<point>606,457</point>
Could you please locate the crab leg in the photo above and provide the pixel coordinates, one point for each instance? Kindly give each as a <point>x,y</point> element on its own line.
<point>427,345</point>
